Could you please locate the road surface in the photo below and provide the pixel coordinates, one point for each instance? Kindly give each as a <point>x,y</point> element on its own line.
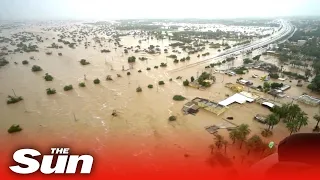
<point>286,30</point>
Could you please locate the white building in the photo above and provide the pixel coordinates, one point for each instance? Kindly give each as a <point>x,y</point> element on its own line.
<point>301,42</point>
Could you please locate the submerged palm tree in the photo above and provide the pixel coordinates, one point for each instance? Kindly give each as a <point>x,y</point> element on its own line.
<point>317,118</point>
<point>243,132</point>
<point>233,134</point>
<point>271,120</point>
<point>254,143</point>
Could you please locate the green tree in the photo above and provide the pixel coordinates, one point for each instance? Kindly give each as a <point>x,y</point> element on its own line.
<point>302,120</point>
<point>233,135</point>
<point>271,120</point>
<point>254,143</point>
<point>315,84</point>
<point>186,82</point>
<point>243,132</point>
<point>317,118</point>
<point>192,78</point>
<point>266,86</point>
<point>292,126</point>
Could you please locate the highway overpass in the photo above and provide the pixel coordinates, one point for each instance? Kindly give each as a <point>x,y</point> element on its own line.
<point>286,30</point>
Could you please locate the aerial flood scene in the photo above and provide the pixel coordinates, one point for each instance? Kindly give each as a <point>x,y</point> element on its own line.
<point>216,92</point>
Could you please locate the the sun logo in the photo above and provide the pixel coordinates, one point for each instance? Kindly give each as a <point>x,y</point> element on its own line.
<point>65,163</point>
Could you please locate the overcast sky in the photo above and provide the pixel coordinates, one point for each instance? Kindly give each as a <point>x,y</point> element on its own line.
<point>123,9</point>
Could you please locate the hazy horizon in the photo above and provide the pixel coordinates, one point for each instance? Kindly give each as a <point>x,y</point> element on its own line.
<point>144,9</point>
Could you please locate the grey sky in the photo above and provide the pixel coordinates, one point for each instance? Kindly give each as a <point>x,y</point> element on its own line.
<point>119,9</point>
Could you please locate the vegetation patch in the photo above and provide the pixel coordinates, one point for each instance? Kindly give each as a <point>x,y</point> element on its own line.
<point>96,81</point>
<point>82,84</point>
<point>36,68</point>
<point>12,99</point>
<point>84,62</point>
<point>161,83</point>
<point>178,98</point>
<point>14,128</point>
<point>50,91</point>
<point>139,89</point>
<point>150,86</point>
<point>48,77</point>
<point>172,118</point>
<point>68,88</point>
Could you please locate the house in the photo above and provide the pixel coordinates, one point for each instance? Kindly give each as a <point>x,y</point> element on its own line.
<point>238,98</point>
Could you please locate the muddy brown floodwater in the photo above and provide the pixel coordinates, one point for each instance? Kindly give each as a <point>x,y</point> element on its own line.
<point>142,115</point>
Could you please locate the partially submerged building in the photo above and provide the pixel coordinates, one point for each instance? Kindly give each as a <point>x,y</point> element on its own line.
<point>238,98</point>
<point>310,100</point>
<point>209,105</point>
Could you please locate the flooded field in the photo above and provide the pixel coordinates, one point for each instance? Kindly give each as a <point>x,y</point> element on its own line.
<point>83,117</point>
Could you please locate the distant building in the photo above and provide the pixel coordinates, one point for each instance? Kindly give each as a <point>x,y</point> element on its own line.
<point>301,42</point>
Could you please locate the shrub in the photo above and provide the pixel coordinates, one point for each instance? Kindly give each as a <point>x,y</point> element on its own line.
<point>105,51</point>
<point>25,62</point>
<point>170,79</point>
<point>156,67</point>
<point>82,84</point>
<point>247,61</point>
<point>48,53</point>
<point>139,89</point>
<point>161,83</point>
<point>148,69</point>
<point>188,58</point>
<point>36,68</point>
<point>172,118</point>
<point>12,100</point>
<point>60,54</point>
<point>178,98</point>
<point>150,86</point>
<point>139,71</point>
<point>176,61</point>
<point>186,82</point>
<point>84,62</point>
<point>50,91</point>
<point>128,73</point>
<point>163,65</point>
<point>14,128</point>
<point>48,77</point>
<point>266,133</point>
<point>131,59</point>
<point>68,88</point>
<point>274,76</point>
<point>96,81</point>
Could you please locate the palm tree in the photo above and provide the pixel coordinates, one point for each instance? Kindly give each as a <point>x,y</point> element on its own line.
<point>292,126</point>
<point>271,120</point>
<point>211,146</point>
<point>218,140</point>
<point>254,143</point>
<point>225,143</point>
<point>281,112</point>
<point>243,131</point>
<point>302,120</point>
<point>233,134</point>
<point>317,118</point>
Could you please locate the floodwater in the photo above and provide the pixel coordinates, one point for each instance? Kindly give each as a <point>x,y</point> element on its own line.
<point>83,116</point>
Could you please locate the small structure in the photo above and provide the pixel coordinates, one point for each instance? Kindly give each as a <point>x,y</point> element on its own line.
<point>268,104</point>
<point>190,108</point>
<point>284,87</point>
<point>244,82</point>
<point>306,99</point>
<point>260,118</point>
<point>234,87</point>
<point>238,98</point>
<point>209,105</point>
